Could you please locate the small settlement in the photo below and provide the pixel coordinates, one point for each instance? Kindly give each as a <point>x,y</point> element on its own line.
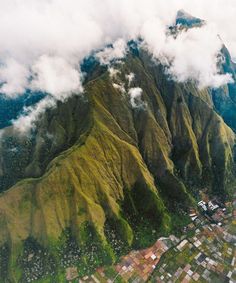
<point>206,252</point>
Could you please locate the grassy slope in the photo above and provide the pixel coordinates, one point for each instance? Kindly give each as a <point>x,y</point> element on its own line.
<point>128,170</point>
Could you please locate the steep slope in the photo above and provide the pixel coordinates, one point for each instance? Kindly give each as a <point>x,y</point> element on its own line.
<point>224,98</point>
<point>100,166</point>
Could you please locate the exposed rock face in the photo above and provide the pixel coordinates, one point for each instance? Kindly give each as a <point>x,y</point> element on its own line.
<point>96,164</point>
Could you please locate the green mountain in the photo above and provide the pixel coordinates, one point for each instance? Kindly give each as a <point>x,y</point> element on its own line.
<point>99,176</point>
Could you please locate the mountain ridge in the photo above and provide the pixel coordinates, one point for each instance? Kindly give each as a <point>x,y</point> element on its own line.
<point>116,168</point>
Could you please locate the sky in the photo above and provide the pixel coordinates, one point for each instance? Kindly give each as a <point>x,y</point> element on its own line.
<point>43,42</point>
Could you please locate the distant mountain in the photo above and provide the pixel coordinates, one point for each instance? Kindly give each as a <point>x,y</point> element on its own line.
<point>101,175</point>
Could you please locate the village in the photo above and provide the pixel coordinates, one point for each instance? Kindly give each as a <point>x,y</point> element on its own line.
<point>204,253</point>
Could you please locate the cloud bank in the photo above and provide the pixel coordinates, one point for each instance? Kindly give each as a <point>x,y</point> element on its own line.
<point>43,42</point>
<point>192,55</point>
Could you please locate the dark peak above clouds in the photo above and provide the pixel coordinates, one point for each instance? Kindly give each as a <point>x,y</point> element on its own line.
<point>185,19</point>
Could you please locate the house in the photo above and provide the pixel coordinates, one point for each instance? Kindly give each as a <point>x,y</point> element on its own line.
<point>71,273</point>
<point>202,204</point>
<point>212,206</point>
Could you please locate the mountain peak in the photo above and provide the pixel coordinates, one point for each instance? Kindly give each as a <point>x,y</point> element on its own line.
<point>185,19</point>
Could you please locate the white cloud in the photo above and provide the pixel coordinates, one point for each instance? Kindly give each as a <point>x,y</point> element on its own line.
<point>113,72</point>
<point>135,97</point>
<point>56,76</point>
<point>26,121</point>
<point>220,13</point>
<point>43,42</point>
<point>13,77</point>
<point>130,77</point>
<point>119,87</point>
<point>193,55</point>
<point>114,52</point>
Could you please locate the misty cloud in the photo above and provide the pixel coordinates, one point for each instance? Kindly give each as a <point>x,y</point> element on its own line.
<point>119,87</point>
<point>13,77</point>
<point>130,77</point>
<point>56,76</point>
<point>114,52</point>
<point>63,32</point>
<point>27,120</point>
<point>113,72</point>
<point>44,42</point>
<point>135,97</point>
<point>192,55</point>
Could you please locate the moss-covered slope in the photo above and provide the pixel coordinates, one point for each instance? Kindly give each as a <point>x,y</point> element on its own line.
<point>97,167</point>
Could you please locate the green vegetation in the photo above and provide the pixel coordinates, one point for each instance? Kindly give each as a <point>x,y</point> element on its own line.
<point>104,177</point>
